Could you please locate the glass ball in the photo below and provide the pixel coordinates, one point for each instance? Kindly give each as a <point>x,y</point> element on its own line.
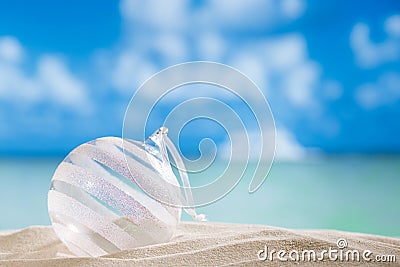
<point>98,202</point>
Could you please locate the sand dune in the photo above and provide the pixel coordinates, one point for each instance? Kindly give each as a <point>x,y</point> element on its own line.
<point>207,244</point>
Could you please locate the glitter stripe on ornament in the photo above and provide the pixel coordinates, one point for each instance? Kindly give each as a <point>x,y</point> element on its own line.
<point>102,209</point>
<point>138,207</point>
<point>108,153</point>
<point>67,206</point>
<point>122,198</point>
<point>77,193</point>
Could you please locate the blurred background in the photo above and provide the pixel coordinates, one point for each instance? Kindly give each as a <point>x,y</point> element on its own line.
<point>329,69</point>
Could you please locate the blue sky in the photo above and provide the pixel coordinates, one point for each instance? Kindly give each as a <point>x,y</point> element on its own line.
<point>329,69</point>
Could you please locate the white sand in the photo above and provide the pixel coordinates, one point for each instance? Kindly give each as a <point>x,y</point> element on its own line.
<point>200,244</point>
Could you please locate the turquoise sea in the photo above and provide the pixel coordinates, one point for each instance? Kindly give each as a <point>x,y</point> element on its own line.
<point>352,193</point>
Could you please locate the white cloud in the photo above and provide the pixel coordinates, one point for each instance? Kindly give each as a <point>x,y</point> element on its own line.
<point>244,14</point>
<point>211,46</point>
<point>15,86</point>
<point>251,65</point>
<point>385,91</point>
<point>165,15</point>
<point>151,29</point>
<point>172,47</point>
<point>50,83</point>
<point>161,30</point>
<point>293,8</point>
<point>129,71</point>
<point>301,82</point>
<point>392,25</point>
<point>284,64</point>
<point>369,54</point>
<point>281,65</point>
<point>284,52</point>
<point>287,146</point>
<point>285,56</point>
<point>60,85</point>
<point>10,49</point>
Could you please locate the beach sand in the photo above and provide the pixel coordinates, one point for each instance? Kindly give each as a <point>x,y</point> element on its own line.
<point>201,244</point>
